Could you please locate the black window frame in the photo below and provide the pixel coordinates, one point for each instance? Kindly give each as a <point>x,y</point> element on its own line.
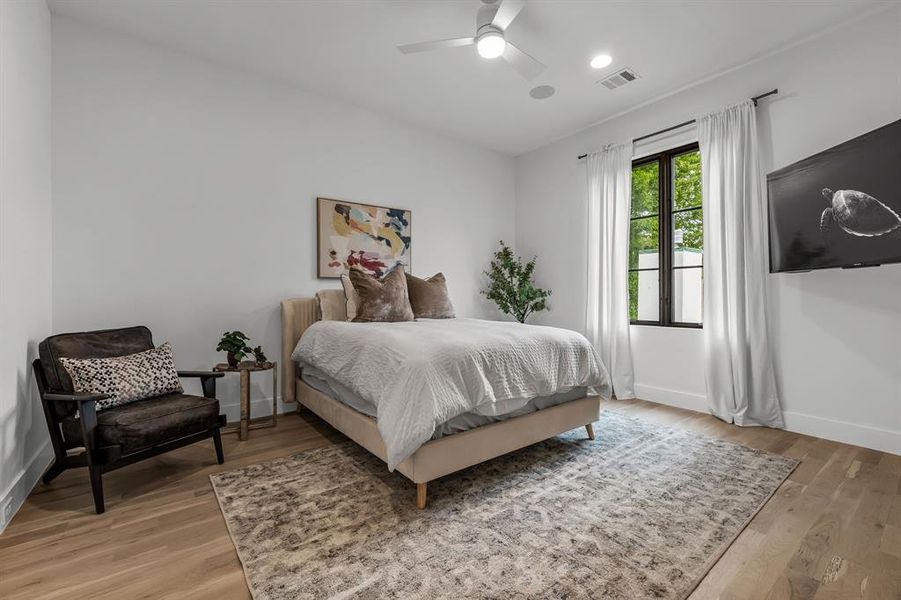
<point>665,248</point>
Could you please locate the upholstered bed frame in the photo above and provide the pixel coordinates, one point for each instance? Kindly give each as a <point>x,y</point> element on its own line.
<point>438,457</point>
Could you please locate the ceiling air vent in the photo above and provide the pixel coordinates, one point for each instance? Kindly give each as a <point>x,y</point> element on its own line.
<point>619,79</point>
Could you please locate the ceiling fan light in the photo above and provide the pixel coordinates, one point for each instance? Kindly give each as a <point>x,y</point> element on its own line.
<point>491,45</point>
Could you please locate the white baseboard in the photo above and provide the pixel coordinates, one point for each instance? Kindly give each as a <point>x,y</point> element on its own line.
<point>867,436</point>
<point>695,402</point>
<point>24,482</point>
<point>259,407</point>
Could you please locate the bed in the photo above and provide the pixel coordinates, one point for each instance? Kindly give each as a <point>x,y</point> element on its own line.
<point>442,454</point>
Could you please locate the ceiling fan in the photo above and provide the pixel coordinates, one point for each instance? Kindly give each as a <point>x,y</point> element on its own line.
<point>492,21</point>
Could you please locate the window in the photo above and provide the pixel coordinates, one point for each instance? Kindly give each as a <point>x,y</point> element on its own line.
<point>666,239</point>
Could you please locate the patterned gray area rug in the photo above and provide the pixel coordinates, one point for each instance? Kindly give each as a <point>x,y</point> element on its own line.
<point>642,512</point>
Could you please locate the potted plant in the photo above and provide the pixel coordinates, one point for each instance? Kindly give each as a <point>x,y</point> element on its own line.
<point>260,357</point>
<point>511,285</point>
<point>235,344</point>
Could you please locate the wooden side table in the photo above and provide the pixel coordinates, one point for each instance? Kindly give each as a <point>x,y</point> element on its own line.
<point>245,369</point>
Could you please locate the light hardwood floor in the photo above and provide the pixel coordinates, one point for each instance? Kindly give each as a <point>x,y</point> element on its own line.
<point>832,531</point>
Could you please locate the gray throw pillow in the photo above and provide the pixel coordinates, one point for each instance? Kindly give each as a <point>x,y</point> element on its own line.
<point>429,298</point>
<point>125,378</point>
<point>381,301</point>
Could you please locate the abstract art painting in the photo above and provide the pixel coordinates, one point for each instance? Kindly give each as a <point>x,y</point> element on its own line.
<point>372,238</point>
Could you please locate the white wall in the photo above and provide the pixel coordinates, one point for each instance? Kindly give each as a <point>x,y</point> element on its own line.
<point>837,334</point>
<point>24,242</point>
<point>184,194</point>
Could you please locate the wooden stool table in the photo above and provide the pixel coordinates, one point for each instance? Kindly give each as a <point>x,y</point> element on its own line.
<point>245,369</point>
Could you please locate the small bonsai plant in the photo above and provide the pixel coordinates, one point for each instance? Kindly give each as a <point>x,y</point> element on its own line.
<point>511,285</point>
<point>259,355</point>
<point>235,343</point>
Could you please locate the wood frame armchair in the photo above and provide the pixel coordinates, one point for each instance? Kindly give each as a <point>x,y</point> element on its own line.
<point>114,438</point>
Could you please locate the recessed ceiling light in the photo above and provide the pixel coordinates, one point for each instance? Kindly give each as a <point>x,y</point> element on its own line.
<point>541,92</point>
<point>491,44</point>
<point>600,61</point>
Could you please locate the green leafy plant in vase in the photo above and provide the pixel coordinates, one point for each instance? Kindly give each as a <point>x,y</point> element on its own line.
<point>512,287</point>
<point>235,344</point>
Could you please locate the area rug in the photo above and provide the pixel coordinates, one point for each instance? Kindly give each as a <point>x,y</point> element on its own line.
<point>641,512</point>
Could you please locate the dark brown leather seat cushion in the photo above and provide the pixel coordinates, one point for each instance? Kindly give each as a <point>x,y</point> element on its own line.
<point>147,423</point>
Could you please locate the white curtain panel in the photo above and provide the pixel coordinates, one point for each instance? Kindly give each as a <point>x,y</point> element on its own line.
<point>607,322</point>
<point>741,384</point>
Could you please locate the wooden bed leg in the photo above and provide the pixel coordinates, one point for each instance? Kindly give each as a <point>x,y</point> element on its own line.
<point>420,495</point>
<point>590,431</point>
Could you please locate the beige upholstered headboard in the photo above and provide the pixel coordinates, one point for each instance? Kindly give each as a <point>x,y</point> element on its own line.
<point>297,315</point>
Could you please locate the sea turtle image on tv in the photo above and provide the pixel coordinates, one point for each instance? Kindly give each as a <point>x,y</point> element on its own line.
<point>858,214</point>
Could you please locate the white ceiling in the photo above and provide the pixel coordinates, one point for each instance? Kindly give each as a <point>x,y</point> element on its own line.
<point>346,49</point>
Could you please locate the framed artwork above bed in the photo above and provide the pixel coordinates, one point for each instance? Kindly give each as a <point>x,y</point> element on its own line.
<point>372,238</point>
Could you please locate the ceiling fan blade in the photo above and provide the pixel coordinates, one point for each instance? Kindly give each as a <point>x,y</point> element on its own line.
<point>435,45</point>
<point>506,12</point>
<point>524,64</point>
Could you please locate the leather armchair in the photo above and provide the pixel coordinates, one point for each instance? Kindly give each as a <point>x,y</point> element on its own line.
<point>121,435</point>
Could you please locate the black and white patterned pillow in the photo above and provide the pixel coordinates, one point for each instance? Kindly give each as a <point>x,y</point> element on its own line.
<point>125,378</point>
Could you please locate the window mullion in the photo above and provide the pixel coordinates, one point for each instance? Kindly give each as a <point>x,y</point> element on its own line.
<point>661,234</point>
<point>666,247</point>
<point>682,210</point>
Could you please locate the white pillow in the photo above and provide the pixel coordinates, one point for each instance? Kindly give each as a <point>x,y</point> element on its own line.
<point>351,294</point>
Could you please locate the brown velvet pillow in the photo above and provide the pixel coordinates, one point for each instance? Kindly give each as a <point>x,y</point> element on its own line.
<point>381,301</point>
<point>428,297</point>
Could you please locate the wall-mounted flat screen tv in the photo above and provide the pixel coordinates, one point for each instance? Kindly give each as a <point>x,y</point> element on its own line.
<point>839,208</point>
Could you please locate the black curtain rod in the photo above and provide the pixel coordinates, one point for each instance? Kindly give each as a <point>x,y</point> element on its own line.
<point>668,129</point>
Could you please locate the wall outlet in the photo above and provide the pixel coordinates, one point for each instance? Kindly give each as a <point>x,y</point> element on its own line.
<point>7,511</point>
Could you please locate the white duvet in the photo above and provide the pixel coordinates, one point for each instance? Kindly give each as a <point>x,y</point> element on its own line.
<point>422,373</point>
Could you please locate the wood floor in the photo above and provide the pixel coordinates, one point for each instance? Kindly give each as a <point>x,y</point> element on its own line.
<point>832,531</point>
